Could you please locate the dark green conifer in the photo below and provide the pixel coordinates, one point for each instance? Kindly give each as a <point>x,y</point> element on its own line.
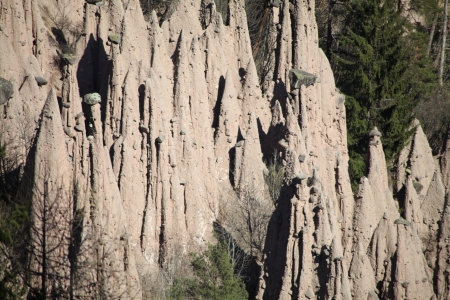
<point>380,64</point>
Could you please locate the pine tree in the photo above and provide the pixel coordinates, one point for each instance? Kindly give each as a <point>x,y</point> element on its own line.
<point>214,278</point>
<point>380,64</point>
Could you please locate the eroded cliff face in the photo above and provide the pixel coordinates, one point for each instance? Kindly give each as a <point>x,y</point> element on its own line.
<point>182,118</point>
<point>179,120</point>
<point>323,243</point>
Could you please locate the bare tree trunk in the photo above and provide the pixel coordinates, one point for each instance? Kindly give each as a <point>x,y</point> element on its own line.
<point>444,38</point>
<point>433,29</point>
<point>44,245</point>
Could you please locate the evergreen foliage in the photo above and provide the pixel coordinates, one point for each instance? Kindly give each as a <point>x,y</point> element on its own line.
<point>380,65</point>
<point>11,286</point>
<point>10,221</point>
<point>214,278</point>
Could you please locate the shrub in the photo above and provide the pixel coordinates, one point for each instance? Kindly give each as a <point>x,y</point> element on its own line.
<point>274,177</point>
<point>214,278</point>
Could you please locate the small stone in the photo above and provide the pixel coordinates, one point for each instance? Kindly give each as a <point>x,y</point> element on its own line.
<point>314,190</point>
<point>402,221</point>
<point>90,138</point>
<point>69,59</point>
<point>340,100</point>
<point>125,236</point>
<point>92,99</point>
<point>66,104</point>
<point>229,140</point>
<point>408,171</point>
<point>173,165</point>
<point>144,129</point>
<point>40,80</point>
<point>114,38</point>
<point>283,144</point>
<point>405,284</point>
<point>160,139</point>
<point>297,78</point>
<point>274,3</point>
<point>182,132</point>
<point>79,115</point>
<point>315,251</point>
<point>375,132</point>
<point>183,182</point>
<point>79,128</point>
<point>93,1</point>
<point>6,90</point>
<point>301,176</point>
<point>309,293</point>
<point>417,186</point>
<point>302,157</point>
<point>239,144</point>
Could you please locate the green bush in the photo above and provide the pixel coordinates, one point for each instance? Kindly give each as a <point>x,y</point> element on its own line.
<point>214,278</point>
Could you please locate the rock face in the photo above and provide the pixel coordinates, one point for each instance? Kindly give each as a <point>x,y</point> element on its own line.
<point>133,142</point>
<point>322,242</point>
<point>142,139</point>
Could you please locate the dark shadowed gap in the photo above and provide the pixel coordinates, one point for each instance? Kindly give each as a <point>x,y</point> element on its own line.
<point>232,166</point>
<point>216,109</point>
<point>93,73</point>
<point>141,91</point>
<point>239,137</point>
<point>261,133</point>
